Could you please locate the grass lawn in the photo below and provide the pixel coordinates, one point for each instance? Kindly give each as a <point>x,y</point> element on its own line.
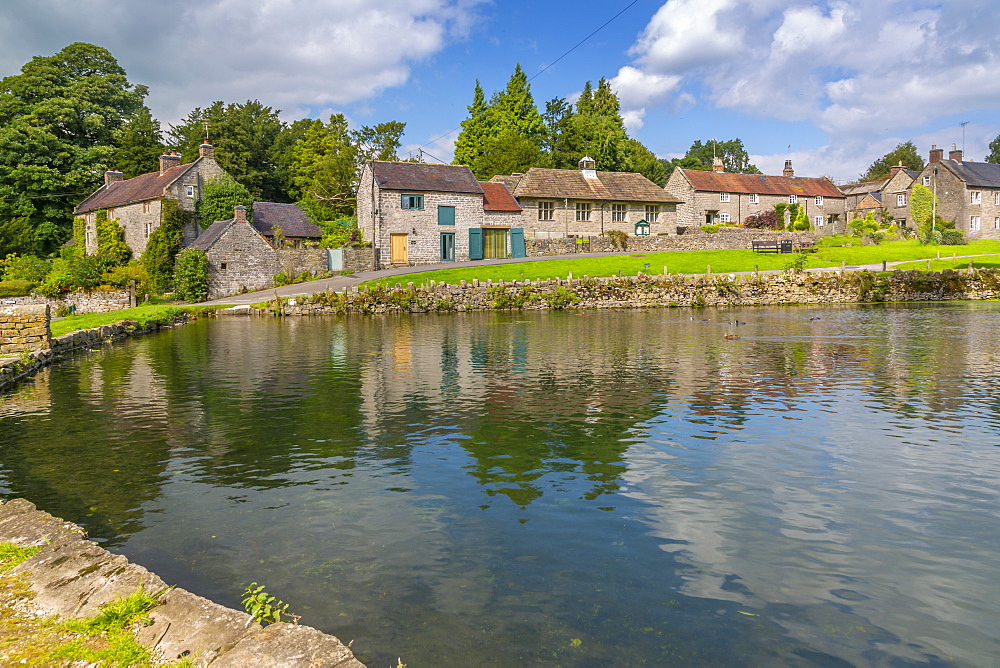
<point>830,254</point>
<point>145,315</point>
<point>985,262</point>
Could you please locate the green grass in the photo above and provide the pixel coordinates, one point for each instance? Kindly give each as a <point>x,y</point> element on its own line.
<point>113,625</point>
<point>144,315</point>
<point>831,253</point>
<point>11,555</point>
<point>985,262</point>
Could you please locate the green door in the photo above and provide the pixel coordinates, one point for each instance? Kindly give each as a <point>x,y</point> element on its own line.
<point>475,243</point>
<point>517,242</point>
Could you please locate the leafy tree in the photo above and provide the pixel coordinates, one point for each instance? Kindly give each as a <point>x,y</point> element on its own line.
<point>557,117</point>
<point>219,197</point>
<point>701,156</point>
<point>140,144</point>
<point>921,209</point>
<point>191,275</point>
<point>646,163</point>
<point>24,268</point>
<point>58,122</point>
<point>111,239</point>
<point>14,234</point>
<point>324,168</point>
<point>164,244</point>
<point>994,155</point>
<point>905,153</point>
<point>379,142</point>
<point>765,220</point>
<point>282,157</point>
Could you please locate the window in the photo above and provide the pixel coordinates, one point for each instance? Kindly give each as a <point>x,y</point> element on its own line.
<point>618,212</point>
<point>446,215</point>
<point>977,196</point>
<point>818,221</point>
<point>583,211</point>
<point>927,181</point>
<point>755,198</point>
<point>189,191</point>
<point>148,228</point>
<point>222,266</point>
<point>793,199</point>
<point>975,224</point>
<point>996,223</point>
<point>723,197</point>
<point>546,210</point>
<point>996,198</point>
<point>652,213</point>
<point>111,214</point>
<point>901,199</point>
<point>819,200</point>
<point>145,206</point>
<point>411,201</point>
<point>724,217</point>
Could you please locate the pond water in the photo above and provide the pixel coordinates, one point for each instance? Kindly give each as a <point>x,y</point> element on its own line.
<point>565,489</point>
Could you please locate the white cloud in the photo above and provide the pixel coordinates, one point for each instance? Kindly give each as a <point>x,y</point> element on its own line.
<point>286,53</point>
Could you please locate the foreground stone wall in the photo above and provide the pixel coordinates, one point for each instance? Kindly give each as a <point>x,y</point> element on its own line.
<point>294,261</point>
<point>23,328</point>
<point>658,291</point>
<point>694,238</point>
<point>94,301</point>
<point>72,577</point>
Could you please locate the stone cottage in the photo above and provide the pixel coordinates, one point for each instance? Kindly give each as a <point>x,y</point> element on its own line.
<point>136,203</point>
<point>239,259</point>
<point>884,197</point>
<point>558,203</point>
<point>720,197</point>
<point>968,192</point>
<point>288,220</point>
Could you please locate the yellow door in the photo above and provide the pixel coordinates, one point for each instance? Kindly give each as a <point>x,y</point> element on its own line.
<point>397,249</point>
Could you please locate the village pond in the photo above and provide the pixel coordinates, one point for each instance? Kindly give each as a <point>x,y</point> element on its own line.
<point>568,488</point>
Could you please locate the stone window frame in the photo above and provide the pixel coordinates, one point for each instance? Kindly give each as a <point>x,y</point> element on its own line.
<point>652,213</point>
<point>619,213</point>
<point>411,201</point>
<point>976,197</point>
<point>819,200</point>
<point>724,217</point>
<point>111,213</point>
<point>975,224</point>
<point>793,199</point>
<point>996,223</point>
<point>996,197</point>
<point>754,198</point>
<point>546,210</point>
<point>583,210</point>
<point>148,228</point>
<point>723,197</point>
<point>901,199</point>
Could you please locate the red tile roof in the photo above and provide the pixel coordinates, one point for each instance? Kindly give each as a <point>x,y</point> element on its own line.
<point>496,197</point>
<point>289,217</point>
<point>761,184</point>
<point>137,189</point>
<point>420,177</point>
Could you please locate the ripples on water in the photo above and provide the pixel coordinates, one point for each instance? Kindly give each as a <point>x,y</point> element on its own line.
<point>595,488</point>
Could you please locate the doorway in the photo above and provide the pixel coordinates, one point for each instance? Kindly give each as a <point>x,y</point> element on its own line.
<point>397,249</point>
<point>448,246</point>
<point>494,243</point>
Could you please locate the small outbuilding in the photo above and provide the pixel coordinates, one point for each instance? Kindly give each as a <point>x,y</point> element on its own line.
<point>286,222</point>
<point>239,258</point>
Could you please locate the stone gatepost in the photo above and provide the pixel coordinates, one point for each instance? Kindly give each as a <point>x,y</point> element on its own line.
<point>24,329</point>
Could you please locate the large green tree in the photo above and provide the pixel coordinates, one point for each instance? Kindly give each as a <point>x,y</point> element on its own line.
<point>139,145</point>
<point>905,154</point>
<point>58,124</point>
<point>994,155</point>
<point>324,169</point>
<point>701,156</point>
<point>378,142</point>
<point>219,197</point>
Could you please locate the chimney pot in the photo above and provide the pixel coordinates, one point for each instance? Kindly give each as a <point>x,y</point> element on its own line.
<point>717,165</point>
<point>168,161</point>
<point>955,154</point>
<point>788,171</point>
<point>206,150</point>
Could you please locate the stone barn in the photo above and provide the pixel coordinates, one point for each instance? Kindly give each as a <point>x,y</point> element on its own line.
<point>239,258</point>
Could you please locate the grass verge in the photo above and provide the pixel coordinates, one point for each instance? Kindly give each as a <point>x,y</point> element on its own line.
<point>159,314</point>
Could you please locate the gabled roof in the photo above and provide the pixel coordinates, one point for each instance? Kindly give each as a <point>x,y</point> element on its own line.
<point>421,177</point>
<point>289,217</point>
<point>571,184</point>
<point>870,201</point>
<point>863,187</point>
<point>212,234</point>
<point>978,174</point>
<point>496,197</point>
<point>137,189</point>
<point>509,180</point>
<point>761,184</point>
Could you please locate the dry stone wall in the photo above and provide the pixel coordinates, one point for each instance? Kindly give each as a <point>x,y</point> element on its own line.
<point>95,301</point>
<point>23,329</point>
<point>693,238</point>
<point>294,261</point>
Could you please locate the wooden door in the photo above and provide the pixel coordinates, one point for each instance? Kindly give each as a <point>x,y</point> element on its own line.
<point>397,249</point>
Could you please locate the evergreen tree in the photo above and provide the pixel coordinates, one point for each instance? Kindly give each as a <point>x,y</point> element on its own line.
<point>905,153</point>
<point>324,169</point>
<point>282,156</point>
<point>218,199</point>
<point>643,161</point>
<point>557,127</point>
<point>140,144</point>
<point>379,142</point>
<point>471,142</point>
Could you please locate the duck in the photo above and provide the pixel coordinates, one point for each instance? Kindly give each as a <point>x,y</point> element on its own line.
<point>731,337</point>
<point>737,323</point>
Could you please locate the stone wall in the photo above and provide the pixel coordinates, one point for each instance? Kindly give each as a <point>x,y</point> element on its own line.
<point>358,259</point>
<point>94,301</point>
<point>694,238</point>
<point>138,220</point>
<point>294,261</point>
<point>564,222</point>
<point>659,291</point>
<point>240,261</point>
<point>23,329</point>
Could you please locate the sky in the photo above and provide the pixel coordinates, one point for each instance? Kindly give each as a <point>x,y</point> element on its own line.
<point>832,86</point>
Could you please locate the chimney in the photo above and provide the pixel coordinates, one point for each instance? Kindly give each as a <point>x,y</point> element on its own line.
<point>936,154</point>
<point>717,165</point>
<point>206,150</point>
<point>788,171</point>
<point>111,176</point>
<point>240,213</point>
<point>955,154</point>
<point>169,161</point>
<point>895,169</point>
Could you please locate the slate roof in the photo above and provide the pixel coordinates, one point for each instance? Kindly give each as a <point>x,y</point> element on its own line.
<point>420,177</point>
<point>761,184</point>
<point>210,236</point>
<point>863,187</point>
<point>496,197</point>
<point>136,189</point>
<point>978,174</point>
<point>289,217</point>
<point>607,187</point>
<point>509,180</point>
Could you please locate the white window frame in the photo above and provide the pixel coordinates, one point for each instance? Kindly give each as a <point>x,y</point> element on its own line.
<point>723,197</point>
<point>148,228</point>
<point>546,210</point>
<point>818,221</point>
<point>619,213</point>
<point>996,223</point>
<point>652,213</point>
<point>975,223</point>
<point>793,199</point>
<point>189,191</point>
<point>996,197</point>
<point>927,181</point>
<point>583,212</point>
<point>901,199</point>
<point>819,200</point>
<point>754,198</point>
<point>724,217</point>
<point>977,196</point>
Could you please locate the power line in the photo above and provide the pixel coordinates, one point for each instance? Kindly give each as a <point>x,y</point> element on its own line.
<point>20,197</point>
<point>571,50</point>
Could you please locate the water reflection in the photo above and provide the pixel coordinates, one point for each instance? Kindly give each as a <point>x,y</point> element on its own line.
<point>564,488</point>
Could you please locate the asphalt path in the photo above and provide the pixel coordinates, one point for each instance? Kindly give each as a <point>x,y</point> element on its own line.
<point>339,283</point>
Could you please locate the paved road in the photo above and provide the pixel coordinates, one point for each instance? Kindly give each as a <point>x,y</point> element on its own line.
<point>338,283</point>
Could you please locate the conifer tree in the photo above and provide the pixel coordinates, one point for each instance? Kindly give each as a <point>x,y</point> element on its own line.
<point>140,144</point>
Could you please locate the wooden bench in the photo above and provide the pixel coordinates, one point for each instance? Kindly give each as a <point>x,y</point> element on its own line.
<point>783,246</point>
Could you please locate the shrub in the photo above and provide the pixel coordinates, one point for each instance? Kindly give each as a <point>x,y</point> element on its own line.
<point>122,276</point>
<point>164,244</point>
<point>618,238</point>
<point>191,275</point>
<point>111,239</point>
<point>16,288</point>
<point>711,228</point>
<point>24,268</point>
<point>862,226</point>
<point>765,220</point>
<point>953,238</point>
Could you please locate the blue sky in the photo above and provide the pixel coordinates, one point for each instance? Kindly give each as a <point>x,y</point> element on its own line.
<point>833,85</point>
